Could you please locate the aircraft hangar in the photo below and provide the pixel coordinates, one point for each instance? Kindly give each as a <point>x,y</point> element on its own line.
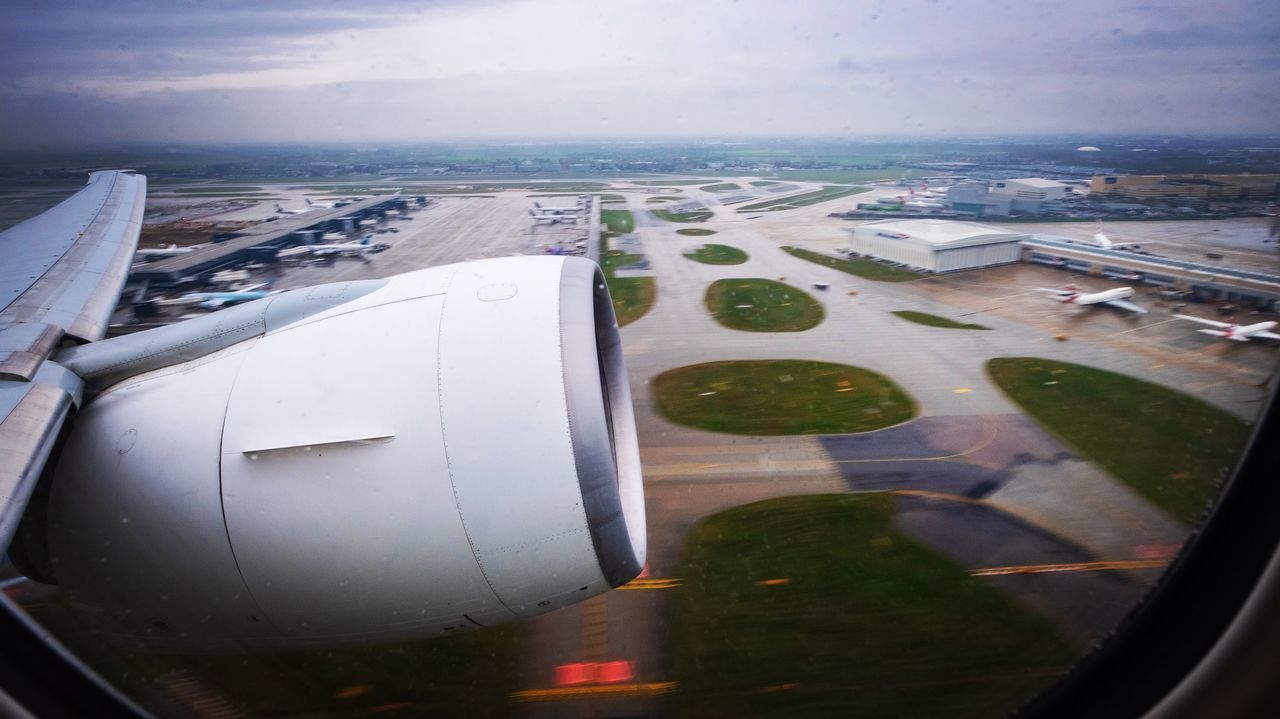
<point>937,245</point>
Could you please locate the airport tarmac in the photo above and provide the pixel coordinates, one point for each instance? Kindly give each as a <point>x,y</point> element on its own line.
<point>992,487</point>
<point>979,480</point>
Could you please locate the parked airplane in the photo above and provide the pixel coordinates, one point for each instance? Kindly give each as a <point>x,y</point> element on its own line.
<point>217,300</point>
<point>552,217</point>
<point>1112,298</point>
<point>322,205</point>
<point>1100,240</point>
<point>362,248</point>
<point>152,253</point>
<point>283,211</point>
<point>1239,333</point>
<point>559,210</point>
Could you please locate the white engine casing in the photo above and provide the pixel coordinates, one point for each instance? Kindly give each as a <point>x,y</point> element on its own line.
<point>455,449</point>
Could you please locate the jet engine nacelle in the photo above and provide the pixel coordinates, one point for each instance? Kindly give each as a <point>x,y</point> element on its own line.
<point>453,450</point>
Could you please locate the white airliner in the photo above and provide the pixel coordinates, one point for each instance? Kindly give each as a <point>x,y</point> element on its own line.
<point>283,211</point>
<point>1239,333</point>
<point>1100,240</point>
<point>558,210</point>
<point>1112,298</point>
<point>320,205</point>
<point>218,300</point>
<point>552,217</point>
<point>364,247</point>
<point>149,253</point>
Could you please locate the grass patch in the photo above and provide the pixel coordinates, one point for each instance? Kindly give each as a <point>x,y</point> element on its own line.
<point>759,305</point>
<point>612,198</point>
<point>922,318</point>
<point>1174,449</point>
<point>695,216</point>
<point>619,221</point>
<point>828,192</point>
<point>662,198</point>
<point>721,187</point>
<point>632,296</point>
<point>868,622</point>
<point>718,255</point>
<point>763,183</point>
<point>776,397</point>
<point>866,269</point>
<point>695,231</point>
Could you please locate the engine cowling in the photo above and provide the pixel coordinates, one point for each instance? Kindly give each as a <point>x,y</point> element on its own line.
<point>455,449</point>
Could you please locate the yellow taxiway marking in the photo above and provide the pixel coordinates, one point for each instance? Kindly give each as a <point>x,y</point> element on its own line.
<point>773,582</point>
<point>597,690</point>
<point>989,429</point>
<point>962,390</point>
<point>1143,327</point>
<point>671,583</point>
<point>1103,566</point>
<point>938,495</point>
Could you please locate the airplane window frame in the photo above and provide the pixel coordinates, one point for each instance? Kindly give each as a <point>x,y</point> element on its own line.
<point>1170,637</point>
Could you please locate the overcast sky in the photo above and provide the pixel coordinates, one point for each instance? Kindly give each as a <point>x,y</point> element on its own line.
<point>177,70</point>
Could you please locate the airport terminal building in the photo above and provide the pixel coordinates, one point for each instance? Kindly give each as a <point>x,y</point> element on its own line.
<point>937,245</point>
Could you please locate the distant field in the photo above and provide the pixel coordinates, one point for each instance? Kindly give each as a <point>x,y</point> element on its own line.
<point>695,231</point>
<point>721,187</point>
<point>936,321</point>
<point>819,606</point>
<point>851,176</point>
<point>865,269</point>
<point>214,189</point>
<point>446,188</point>
<point>1174,449</point>
<point>828,192</point>
<point>665,183</point>
<point>781,397</point>
<point>695,216</point>
<point>718,255</point>
<point>759,305</point>
<point>619,221</point>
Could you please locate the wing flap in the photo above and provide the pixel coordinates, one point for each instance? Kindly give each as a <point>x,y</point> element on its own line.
<point>27,435</point>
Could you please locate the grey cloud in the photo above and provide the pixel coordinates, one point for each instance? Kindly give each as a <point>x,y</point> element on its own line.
<point>149,39</point>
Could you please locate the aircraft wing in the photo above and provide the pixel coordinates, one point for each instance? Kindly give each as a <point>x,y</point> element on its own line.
<point>61,274</point>
<point>1127,306</point>
<point>1265,335</point>
<point>1201,320</point>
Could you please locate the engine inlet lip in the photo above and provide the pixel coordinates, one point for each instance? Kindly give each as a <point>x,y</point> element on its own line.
<point>600,421</point>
